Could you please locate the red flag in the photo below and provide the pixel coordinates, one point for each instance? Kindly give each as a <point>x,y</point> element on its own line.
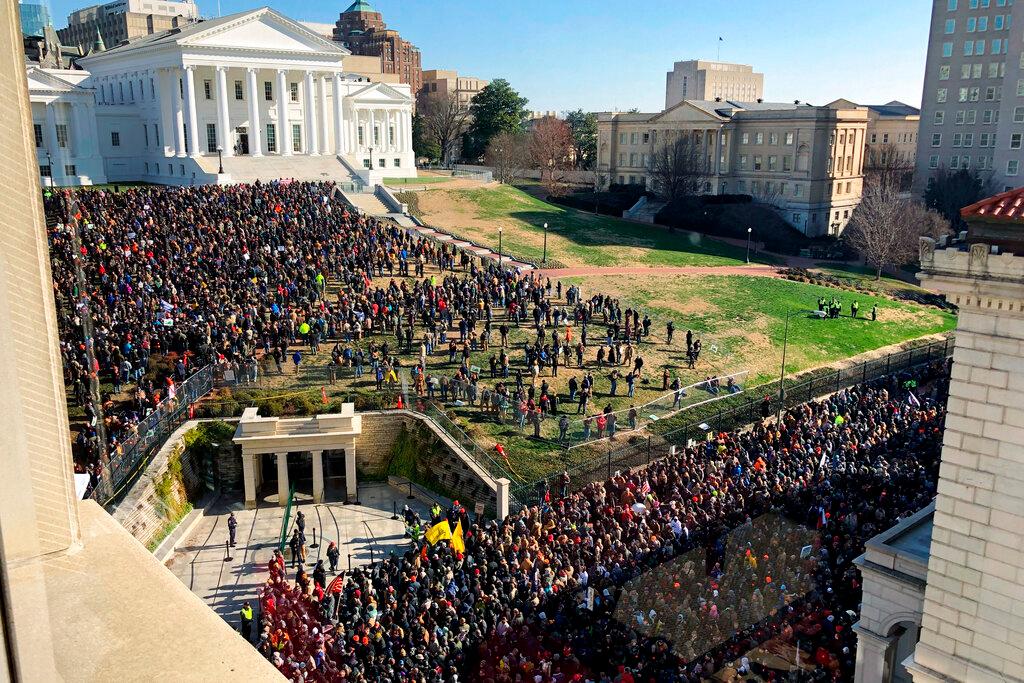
<point>336,585</point>
<point>400,406</point>
<point>191,410</point>
<point>323,395</point>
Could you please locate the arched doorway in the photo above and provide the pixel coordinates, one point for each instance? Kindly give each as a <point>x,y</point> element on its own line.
<point>906,634</point>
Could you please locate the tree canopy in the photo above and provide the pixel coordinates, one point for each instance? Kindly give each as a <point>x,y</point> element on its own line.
<point>949,191</point>
<point>584,137</point>
<point>498,108</point>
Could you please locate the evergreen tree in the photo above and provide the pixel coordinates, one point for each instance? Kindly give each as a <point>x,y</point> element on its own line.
<point>498,108</point>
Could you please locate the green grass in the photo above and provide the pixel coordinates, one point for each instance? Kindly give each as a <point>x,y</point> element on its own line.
<point>864,276</point>
<point>421,180</point>
<point>575,238</point>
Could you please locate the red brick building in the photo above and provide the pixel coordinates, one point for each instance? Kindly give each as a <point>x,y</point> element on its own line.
<point>362,30</point>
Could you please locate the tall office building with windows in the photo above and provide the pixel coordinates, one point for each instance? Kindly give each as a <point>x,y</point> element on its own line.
<point>972,109</point>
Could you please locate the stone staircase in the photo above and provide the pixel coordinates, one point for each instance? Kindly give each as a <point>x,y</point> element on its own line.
<point>368,203</point>
<point>247,169</point>
<point>644,210</point>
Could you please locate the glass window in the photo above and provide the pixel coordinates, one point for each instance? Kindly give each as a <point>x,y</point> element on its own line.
<point>798,190</point>
<point>947,49</point>
<point>397,162</point>
<point>1015,141</point>
<point>940,95</point>
<point>968,48</point>
<point>743,161</point>
<point>207,89</point>
<point>211,137</point>
<point>268,91</point>
<point>950,5</point>
<point>972,117</point>
<point>37,130</point>
<point>745,138</point>
<point>1018,117</point>
<point>271,137</point>
<point>773,162</point>
<point>145,135</point>
<point>293,89</point>
<point>933,161</point>
<point>936,139</point>
<point>976,70</point>
<point>979,47</point>
<point>968,139</point>
<point>787,163</point>
<point>940,117</point>
<point>965,71</point>
<point>297,137</point>
<point>759,138</point>
<point>944,72</point>
<point>950,26</point>
<point>1012,166</point>
<point>115,138</point>
<point>773,138</point>
<point>69,169</point>
<point>972,24</point>
<point>62,135</point>
<point>789,138</point>
<point>238,90</point>
<point>982,23</point>
<point>758,161</point>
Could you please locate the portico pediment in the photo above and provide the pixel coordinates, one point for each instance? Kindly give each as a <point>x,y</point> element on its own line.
<point>379,93</point>
<point>39,80</point>
<point>686,112</point>
<point>262,30</point>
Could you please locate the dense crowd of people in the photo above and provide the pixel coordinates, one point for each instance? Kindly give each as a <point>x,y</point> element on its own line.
<point>668,573</point>
<point>238,275</point>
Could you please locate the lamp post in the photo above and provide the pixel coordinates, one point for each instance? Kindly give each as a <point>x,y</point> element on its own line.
<point>499,247</point>
<point>49,167</point>
<point>782,370</point>
<point>371,158</point>
<point>220,159</point>
<point>545,258</point>
<point>748,244</point>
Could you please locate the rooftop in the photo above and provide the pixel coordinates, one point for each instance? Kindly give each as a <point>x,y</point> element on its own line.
<point>894,108</point>
<point>1006,207</point>
<point>359,6</point>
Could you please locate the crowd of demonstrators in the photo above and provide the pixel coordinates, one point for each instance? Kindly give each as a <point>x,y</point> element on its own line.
<point>238,275</point>
<point>669,573</point>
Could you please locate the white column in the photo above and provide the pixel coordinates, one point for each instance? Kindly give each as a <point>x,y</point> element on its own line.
<point>165,81</point>
<point>309,109</point>
<point>255,148</point>
<point>225,133</point>
<point>325,116</point>
<point>351,485</point>
<point>81,140</point>
<point>282,479</point>
<point>371,141</point>
<point>407,127</point>
<point>339,121</point>
<point>318,476</point>
<point>249,479</point>
<point>284,129</point>
<point>52,146</point>
<point>191,118</point>
<point>179,113</point>
<point>502,507</point>
<point>873,656</point>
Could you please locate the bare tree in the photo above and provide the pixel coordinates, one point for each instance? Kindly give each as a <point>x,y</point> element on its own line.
<point>551,145</point>
<point>886,228</point>
<point>885,165</point>
<point>508,156</point>
<point>768,192</point>
<point>446,120</point>
<point>679,167</point>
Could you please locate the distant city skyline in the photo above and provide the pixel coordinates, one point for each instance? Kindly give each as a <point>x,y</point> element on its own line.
<point>608,56</point>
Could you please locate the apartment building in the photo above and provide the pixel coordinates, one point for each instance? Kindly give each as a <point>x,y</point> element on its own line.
<point>698,79</point>
<point>441,82</point>
<point>362,30</point>
<point>807,162</point>
<point>124,20</point>
<point>972,108</point>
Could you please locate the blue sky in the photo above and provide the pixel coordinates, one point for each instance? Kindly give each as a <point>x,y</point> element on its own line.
<point>600,54</point>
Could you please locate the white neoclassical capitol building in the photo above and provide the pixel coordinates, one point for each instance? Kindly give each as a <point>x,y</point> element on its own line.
<point>246,96</point>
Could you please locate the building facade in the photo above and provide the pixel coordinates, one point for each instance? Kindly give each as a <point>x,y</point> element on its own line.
<point>246,96</point>
<point>698,79</point>
<point>122,20</point>
<point>362,30</point>
<point>972,107</point>
<point>441,83</point>
<point>806,162</point>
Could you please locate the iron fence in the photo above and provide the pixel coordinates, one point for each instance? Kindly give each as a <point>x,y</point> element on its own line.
<point>599,461</point>
<point>151,432</point>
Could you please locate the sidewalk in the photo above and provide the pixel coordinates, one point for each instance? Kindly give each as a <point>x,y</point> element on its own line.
<point>365,531</point>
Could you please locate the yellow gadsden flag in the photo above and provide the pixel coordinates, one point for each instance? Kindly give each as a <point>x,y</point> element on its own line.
<point>458,543</point>
<point>438,532</point>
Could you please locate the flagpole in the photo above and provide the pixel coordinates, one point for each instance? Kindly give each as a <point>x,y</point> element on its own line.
<point>719,57</point>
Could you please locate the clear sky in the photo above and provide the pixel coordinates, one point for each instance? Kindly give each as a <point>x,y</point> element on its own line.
<point>608,54</point>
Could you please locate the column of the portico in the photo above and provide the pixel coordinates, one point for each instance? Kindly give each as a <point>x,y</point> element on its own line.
<point>282,479</point>
<point>284,133</point>
<point>249,479</point>
<point>325,116</point>
<point>351,485</point>
<point>190,107</point>
<point>340,146</point>
<point>225,139</point>
<point>255,136</point>
<point>165,79</point>
<point>371,138</point>
<point>309,109</point>
<point>52,144</point>
<point>318,476</point>
<point>179,113</point>
<point>81,140</point>
<point>407,128</point>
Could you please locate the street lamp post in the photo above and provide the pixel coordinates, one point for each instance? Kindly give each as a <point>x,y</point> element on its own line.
<point>220,159</point>
<point>545,259</point>
<point>499,247</point>
<point>371,158</point>
<point>782,371</point>
<point>49,166</point>
<point>748,244</point>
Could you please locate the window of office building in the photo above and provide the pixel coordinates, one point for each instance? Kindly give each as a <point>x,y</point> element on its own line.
<point>933,161</point>
<point>936,139</point>
<point>789,138</point>
<point>968,48</point>
<point>947,49</point>
<point>940,117</point>
<point>743,162</point>
<point>773,138</point>
<point>773,162</point>
<point>759,138</point>
<point>397,162</point>
<point>940,95</point>
<point>982,23</point>
<point>69,169</point>
<point>968,139</point>
<point>62,135</point>
<point>972,24</point>
<point>758,161</point>
<point>1015,141</point>
<point>1018,116</point>
<point>745,138</point>
<point>944,72</point>
<point>1012,166</point>
<point>950,26</point>
<point>976,70</point>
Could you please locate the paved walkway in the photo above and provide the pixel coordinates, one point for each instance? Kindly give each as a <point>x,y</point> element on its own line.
<point>366,531</point>
<point>754,270</point>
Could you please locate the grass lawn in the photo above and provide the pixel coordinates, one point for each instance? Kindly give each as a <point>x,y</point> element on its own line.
<point>739,319</point>
<point>420,180</point>
<point>864,276</point>
<point>575,238</point>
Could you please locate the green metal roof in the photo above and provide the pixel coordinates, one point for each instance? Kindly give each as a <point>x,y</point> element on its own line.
<point>359,6</point>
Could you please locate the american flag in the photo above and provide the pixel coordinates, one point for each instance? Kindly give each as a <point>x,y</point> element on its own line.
<point>645,488</point>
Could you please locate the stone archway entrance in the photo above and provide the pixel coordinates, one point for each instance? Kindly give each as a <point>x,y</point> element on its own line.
<point>289,441</point>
